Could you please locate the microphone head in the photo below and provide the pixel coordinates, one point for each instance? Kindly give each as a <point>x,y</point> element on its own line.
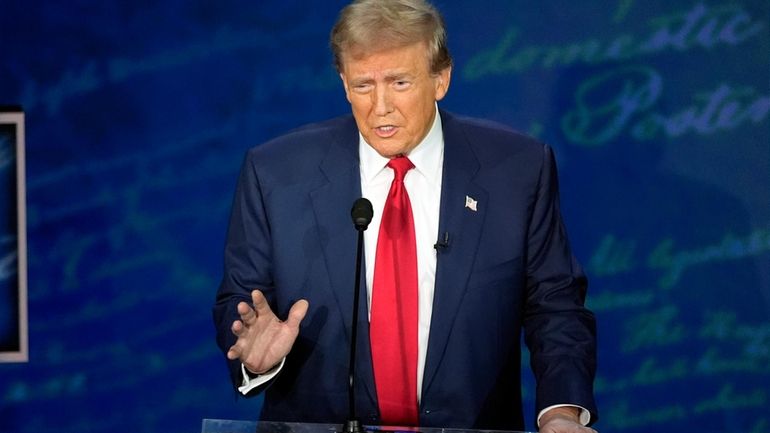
<point>362,213</point>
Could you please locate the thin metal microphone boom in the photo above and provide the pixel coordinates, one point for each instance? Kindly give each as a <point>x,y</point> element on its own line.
<point>362,214</point>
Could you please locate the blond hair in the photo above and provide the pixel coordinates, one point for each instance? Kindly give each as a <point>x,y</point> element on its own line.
<point>366,26</point>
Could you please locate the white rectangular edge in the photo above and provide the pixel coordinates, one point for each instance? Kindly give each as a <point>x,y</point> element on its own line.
<point>21,197</point>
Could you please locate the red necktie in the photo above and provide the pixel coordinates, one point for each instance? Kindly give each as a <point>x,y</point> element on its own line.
<point>393,323</point>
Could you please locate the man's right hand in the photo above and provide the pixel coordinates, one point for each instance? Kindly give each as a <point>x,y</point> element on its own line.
<point>263,339</point>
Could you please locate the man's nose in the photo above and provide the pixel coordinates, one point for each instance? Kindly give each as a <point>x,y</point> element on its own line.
<point>382,101</point>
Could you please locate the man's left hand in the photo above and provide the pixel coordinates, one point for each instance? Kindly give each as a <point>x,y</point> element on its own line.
<point>563,420</point>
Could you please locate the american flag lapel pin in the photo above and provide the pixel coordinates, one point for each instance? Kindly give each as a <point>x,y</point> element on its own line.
<point>471,204</point>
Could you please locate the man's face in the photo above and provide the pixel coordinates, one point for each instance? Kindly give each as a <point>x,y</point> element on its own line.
<point>392,94</point>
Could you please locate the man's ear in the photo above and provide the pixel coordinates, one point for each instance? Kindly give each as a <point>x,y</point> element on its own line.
<point>345,86</point>
<point>442,82</point>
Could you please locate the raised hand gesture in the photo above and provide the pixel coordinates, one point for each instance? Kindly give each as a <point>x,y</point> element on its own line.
<point>263,339</point>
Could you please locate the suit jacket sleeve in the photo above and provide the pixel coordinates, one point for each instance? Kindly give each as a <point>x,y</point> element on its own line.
<point>559,331</point>
<point>247,263</point>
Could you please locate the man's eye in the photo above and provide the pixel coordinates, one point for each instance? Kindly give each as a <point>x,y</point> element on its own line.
<point>402,84</point>
<point>362,88</point>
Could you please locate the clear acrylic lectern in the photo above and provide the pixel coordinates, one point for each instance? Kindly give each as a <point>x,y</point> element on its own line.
<point>234,426</point>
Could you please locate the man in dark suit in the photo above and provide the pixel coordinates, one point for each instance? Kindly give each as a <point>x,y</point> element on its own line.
<point>501,264</point>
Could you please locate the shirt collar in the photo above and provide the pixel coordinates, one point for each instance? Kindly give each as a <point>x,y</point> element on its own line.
<point>427,156</point>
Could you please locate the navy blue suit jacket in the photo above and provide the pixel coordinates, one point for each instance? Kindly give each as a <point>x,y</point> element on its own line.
<point>508,267</point>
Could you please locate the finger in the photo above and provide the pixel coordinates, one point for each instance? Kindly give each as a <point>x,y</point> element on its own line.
<point>233,353</point>
<point>248,316</point>
<point>261,306</point>
<point>237,328</point>
<point>297,313</point>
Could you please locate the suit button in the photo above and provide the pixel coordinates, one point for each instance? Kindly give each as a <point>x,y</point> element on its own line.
<point>427,411</point>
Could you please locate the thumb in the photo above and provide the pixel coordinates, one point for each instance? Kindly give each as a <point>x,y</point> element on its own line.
<point>297,313</point>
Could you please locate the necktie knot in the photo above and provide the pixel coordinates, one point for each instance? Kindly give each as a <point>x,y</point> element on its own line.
<point>400,166</point>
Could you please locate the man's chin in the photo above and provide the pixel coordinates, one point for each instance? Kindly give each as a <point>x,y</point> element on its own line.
<point>389,150</point>
<point>389,147</point>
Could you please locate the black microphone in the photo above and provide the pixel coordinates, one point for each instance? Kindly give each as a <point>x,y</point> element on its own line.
<point>442,244</point>
<point>362,214</point>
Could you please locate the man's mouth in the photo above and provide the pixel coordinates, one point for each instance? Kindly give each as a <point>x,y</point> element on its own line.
<point>385,131</point>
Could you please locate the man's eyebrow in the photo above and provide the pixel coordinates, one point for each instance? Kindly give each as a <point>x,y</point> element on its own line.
<point>389,77</point>
<point>395,76</point>
<point>361,80</point>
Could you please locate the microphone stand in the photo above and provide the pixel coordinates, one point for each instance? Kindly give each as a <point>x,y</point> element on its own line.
<point>353,424</point>
<point>362,214</point>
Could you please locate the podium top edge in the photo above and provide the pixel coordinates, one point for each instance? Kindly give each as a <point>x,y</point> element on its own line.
<point>5,108</point>
<point>238,426</point>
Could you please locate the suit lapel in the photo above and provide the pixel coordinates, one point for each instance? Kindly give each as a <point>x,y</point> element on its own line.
<point>463,225</point>
<point>331,205</point>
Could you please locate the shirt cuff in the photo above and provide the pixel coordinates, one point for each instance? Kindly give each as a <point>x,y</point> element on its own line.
<point>585,415</point>
<point>248,383</point>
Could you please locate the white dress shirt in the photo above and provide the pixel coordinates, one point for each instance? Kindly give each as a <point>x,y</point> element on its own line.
<point>423,184</point>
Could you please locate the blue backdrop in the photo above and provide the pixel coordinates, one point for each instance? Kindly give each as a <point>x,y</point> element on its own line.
<point>139,113</point>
